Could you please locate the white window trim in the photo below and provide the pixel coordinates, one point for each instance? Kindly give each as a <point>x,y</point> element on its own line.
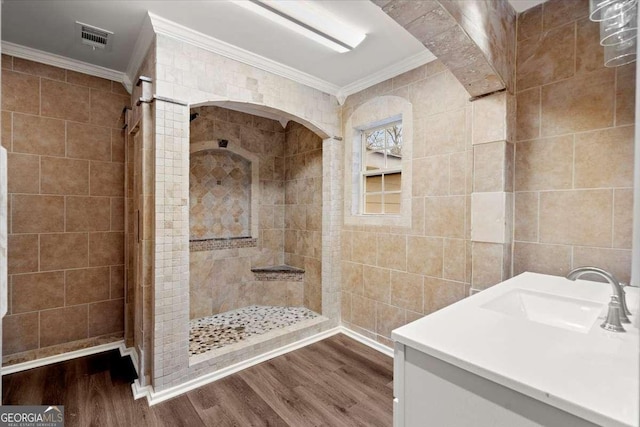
<point>379,111</point>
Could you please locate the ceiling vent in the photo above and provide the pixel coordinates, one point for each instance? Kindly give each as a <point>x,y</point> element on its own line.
<point>95,37</point>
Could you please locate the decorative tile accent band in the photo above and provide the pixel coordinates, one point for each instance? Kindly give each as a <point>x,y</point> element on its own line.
<point>220,244</point>
<point>278,273</point>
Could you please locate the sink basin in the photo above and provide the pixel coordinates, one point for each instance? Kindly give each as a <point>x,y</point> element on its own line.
<point>553,310</point>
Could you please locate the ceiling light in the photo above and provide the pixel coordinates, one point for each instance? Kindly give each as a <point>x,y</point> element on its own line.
<point>306,19</point>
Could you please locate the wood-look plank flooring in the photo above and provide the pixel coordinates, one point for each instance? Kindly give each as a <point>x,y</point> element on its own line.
<point>334,382</point>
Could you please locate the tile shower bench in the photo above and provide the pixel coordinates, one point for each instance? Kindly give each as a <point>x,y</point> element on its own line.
<point>280,283</point>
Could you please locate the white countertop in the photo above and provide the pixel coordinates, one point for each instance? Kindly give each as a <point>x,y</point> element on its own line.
<point>592,375</point>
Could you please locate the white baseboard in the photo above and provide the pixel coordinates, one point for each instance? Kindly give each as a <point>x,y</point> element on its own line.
<point>18,367</point>
<point>367,341</point>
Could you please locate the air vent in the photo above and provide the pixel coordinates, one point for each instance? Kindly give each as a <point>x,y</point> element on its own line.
<point>95,37</point>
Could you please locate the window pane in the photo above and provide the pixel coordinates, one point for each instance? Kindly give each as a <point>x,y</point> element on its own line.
<point>394,141</point>
<point>373,203</point>
<point>374,159</point>
<point>393,181</point>
<point>373,184</point>
<point>392,203</point>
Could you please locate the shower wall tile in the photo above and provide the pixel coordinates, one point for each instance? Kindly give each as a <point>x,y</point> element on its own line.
<point>574,151</point>
<point>20,332</point>
<point>56,228</point>
<point>102,320</point>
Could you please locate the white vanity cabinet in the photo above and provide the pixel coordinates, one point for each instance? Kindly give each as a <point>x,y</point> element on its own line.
<point>481,363</point>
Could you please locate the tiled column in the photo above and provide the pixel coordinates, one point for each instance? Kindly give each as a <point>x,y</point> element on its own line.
<point>332,164</point>
<point>492,197</point>
<point>171,307</point>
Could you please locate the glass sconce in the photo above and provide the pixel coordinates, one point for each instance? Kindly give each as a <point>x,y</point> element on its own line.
<point>618,29</point>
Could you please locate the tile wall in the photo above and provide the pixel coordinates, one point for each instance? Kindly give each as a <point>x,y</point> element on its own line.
<point>303,209</point>
<point>574,150</point>
<point>394,275</point>
<point>62,130</point>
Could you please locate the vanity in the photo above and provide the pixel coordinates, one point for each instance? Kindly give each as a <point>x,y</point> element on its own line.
<point>527,352</point>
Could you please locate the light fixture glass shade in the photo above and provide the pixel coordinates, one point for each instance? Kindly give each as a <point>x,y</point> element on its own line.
<point>620,28</point>
<point>599,10</point>
<point>620,54</point>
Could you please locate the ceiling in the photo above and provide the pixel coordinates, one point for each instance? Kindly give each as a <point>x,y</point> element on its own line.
<point>49,26</point>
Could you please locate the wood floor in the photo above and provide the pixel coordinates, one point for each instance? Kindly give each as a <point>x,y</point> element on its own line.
<point>335,382</point>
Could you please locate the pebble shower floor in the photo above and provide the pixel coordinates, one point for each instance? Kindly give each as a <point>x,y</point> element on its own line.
<point>212,332</point>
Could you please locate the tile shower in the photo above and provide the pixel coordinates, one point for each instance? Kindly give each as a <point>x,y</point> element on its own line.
<point>254,229</point>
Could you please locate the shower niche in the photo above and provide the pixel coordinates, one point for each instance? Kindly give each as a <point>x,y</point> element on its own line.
<point>255,206</point>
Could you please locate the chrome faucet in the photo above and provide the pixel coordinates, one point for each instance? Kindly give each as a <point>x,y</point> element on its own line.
<point>618,311</point>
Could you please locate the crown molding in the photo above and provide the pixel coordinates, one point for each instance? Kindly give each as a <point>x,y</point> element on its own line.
<point>195,38</point>
<point>393,70</point>
<point>140,49</point>
<point>36,55</point>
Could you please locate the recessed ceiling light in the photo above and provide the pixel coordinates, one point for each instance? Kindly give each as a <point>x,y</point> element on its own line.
<point>306,19</point>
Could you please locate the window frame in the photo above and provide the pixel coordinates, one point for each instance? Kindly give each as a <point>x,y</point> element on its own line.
<point>382,172</point>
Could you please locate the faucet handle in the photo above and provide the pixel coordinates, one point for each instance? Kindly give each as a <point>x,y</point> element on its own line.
<point>612,322</point>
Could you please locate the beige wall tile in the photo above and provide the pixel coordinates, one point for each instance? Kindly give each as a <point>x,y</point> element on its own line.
<point>558,12</point>
<point>622,218</point>
<point>625,94</point>
<point>20,92</point>
<point>424,255</point>
<point>445,133</point>
<point>538,258</point>
<point>87,80</point>
<point>7,126</point>
<point>409,77</point>
<point>579,104</point>
<point>364,247</point>
<point>106,249</point>
<point>87,213</point>
<point>489,167</point>
<point>490,217</point>
<point>106,317</point>
<point>86,285</point>
<point>603,158</point>
<point>107,179</point>
<point>392,251</point>
<point>38,135</point>
<point>406,290</point>
<point>37,214</point>
<point>589,53</point>
<point>440,293</point>
<point>530,23</point>
<point>75,321</point>
<point>546,59</point>
<point>31,292</point>
<point>65,101</point>
<point>528,114</point>
<point>64,176</point>
<point>616,261</point>
<point>459,170</point>
<point>377,283</point>
<point>363,312</point>
<point>544,164</point>
<point>117,145</point>
<point>106,108</point>
<point>345,307</point>
<point>19,333</point>
<point>454,260</point>
<point>526,216</point>
<point>431,176</point>
<point>38,69</point>
<point>117,282</point>
<point>489,118</point>
<point>88,142</point>
<point>352,278</point>
<point>444,216</point>
<point>60,251</point>
<point>117,214</point>
<point>576,217</point>
<point>388,318</point>
<point>22,253</point>
<point>487,264</point>
<point>23,173</point>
